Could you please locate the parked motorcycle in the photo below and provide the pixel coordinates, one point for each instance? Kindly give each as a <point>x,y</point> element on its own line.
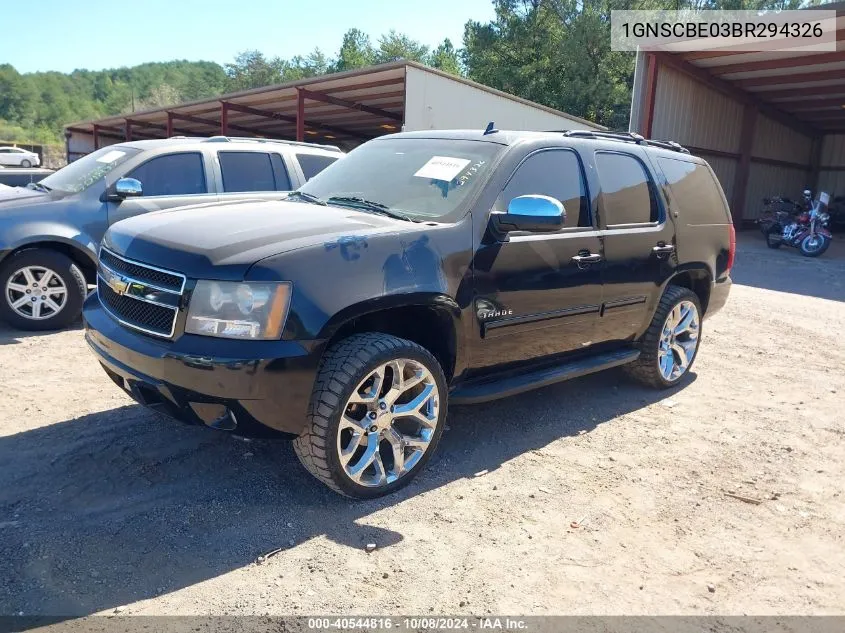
<point>780,210</point>
<point>808,232</point>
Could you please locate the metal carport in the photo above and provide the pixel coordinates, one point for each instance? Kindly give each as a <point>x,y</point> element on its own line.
<point>341,109</point>
<point>769,123</point>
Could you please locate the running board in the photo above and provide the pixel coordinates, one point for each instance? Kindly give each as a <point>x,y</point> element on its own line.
<point>512,384</point>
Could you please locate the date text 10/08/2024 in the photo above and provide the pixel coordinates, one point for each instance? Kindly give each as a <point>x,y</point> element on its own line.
<point>419,623</point>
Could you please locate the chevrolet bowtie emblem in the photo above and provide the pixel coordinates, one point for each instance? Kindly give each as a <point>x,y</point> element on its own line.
<point>117,283</point>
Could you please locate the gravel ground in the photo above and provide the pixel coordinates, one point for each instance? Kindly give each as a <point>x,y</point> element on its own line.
<point>590,497</point>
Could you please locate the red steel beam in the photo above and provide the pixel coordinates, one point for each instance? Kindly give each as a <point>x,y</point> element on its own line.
<point>821,116</point>
<point>127,130</point>
<point>775,64</point>
<point>169,124</point>
<point>768,45</point>
<point>211,123</point>
<point>746,142</point>
<point>300,115</point>
<point>812,104</point>
<point>650,92</point>
<point>96,137</point>
<point>79,130</point>
<point>806,92</point>
<point>168,129</point>
<point>352,105</point>
<point>332,92</point>
<point>236,107</point>
<point>815,162</point>
<point>137,123</point>
<point>780,80</point>
<point>224,118</point>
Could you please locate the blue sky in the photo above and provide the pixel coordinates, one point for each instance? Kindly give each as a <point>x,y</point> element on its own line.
<point>67,34</point>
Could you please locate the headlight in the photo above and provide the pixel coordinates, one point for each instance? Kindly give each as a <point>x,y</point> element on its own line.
<point>238,310</point>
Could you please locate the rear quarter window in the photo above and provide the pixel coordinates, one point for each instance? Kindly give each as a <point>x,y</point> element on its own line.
<point>696,193</point>
<point>313,164</point>
<point>627,194</point>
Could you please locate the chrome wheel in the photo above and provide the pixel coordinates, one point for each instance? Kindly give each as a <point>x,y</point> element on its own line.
<point>812,243</point>
<point>388,423</point>
<point>36,293</point>
<point>678,341</point>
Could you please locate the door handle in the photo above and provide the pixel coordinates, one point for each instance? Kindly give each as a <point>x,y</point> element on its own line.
<point>663,250</point>
<point>586,258</point>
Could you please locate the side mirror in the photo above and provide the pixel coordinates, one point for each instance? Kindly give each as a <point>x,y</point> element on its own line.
<point>540,214</point>
<point>127,188</point>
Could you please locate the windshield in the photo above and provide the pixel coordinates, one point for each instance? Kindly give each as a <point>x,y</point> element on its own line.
<point>421,178</point>
<point>82,173</point>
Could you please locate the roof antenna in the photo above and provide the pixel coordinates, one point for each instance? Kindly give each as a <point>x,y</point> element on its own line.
<point>491,129</point>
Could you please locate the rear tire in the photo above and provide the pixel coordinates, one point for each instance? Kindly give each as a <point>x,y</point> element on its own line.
<point>376,415</point>
<point>21,275</point>
<point>659,346</point>
<point>773,239</point>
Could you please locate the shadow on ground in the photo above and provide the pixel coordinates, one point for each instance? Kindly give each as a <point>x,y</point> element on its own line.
<point>786,270</point>
<point>12,336</point>
<point>124,505</point>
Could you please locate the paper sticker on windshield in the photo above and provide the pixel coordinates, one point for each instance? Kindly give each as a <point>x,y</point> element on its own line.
<point>110,157</point>
<point>442,168</point>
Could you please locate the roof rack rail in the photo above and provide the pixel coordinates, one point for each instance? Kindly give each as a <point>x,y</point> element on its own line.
<point>631,137</point>
<point>230,139</point>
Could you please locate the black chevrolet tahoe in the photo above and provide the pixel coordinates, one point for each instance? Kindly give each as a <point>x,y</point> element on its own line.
<point>425,269</point>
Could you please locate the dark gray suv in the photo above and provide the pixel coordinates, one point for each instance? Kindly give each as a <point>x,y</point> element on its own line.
<point>50,233</point>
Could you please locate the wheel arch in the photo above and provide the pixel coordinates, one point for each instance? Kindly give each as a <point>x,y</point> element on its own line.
<point>695,277</point>
<point>428,319</point>
<point>79,254</point>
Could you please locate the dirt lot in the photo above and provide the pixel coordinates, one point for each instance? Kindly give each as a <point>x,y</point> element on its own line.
<point>104,504</point>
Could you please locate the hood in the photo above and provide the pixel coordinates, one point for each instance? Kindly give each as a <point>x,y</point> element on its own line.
<point>222,241</point>
<point>16,192</point>
<point>14,198</point>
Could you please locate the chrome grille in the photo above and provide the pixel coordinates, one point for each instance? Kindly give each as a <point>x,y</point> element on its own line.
<point>139,296</point>
<point>155,276</point>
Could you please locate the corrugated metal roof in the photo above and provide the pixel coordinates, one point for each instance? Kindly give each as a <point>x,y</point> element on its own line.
<point>807,85</point>
<point>349,106</point>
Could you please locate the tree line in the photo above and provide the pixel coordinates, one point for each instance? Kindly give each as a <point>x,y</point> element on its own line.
<point>553,52</point>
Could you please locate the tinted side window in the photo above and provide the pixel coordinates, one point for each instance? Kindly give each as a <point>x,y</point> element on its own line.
<point>252,171</point>
<point>313,164</point>
<point>626,197</point>
<point>555,173</point>
<point>172,175</point>
<point>694,191</point>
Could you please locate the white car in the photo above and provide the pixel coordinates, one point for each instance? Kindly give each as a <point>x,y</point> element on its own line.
<point>17,157</point>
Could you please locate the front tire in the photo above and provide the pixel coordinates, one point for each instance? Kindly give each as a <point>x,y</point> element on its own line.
<point>376,415</point>
<point>814,245</point>
<point>670,345</point>
<point>41,290</point>
<point>26,164</point>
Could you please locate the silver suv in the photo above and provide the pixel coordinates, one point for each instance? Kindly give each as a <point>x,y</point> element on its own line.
<point>50,232</point>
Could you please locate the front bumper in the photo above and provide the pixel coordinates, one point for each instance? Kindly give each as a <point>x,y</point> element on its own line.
<point>249,387</point>
<point>719,291</point>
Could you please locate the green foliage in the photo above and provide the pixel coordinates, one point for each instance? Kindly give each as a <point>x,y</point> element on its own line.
<point>446,58</point>
<point>38,105</point>
<point>356,51</point>
<point>557,52</point>
<point>395,46</point>
<point>251,69</point>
